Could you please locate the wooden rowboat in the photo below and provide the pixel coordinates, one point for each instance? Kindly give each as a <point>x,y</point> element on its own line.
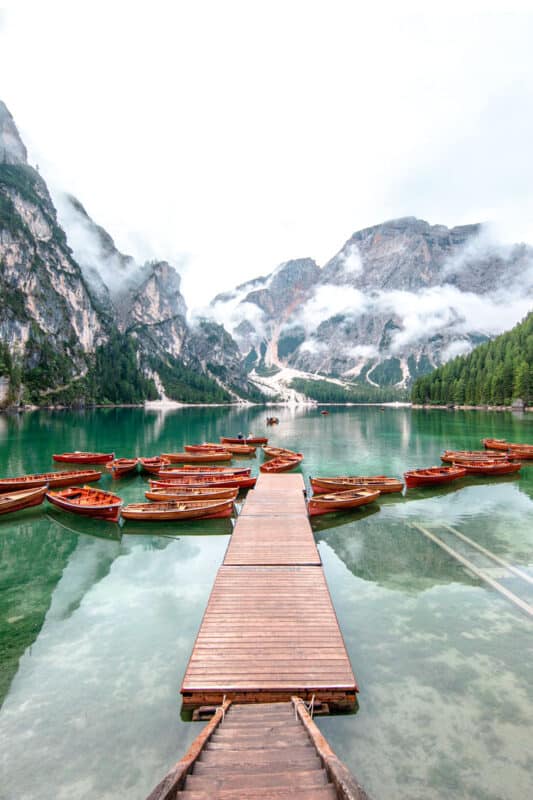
<point>344,482</point>
<point>79,457</point>
<point>87,501</point>
<point>198,458</point>
<point>50,479</point>
<point>280,464</point>
<point>249,440</point>
<point>121,466</point>
<point>201,448</point>
<point>178,509</point>
<point>236,449</point>
<point>188,493</point>
<point>433,475</point>
<point>224,481</point>
<point>495,444</point>
<point>455,456</point>
<point>341,501</point>
<point>490,467</point>
<point>178,472</point>
<point>280,452</point>
<point>153,464</point>
<point>520,453</point>
<point>16,501</point>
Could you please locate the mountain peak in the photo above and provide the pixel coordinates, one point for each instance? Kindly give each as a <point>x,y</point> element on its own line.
<point>12,149</point>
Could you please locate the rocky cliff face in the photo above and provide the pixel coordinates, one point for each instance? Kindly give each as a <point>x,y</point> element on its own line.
<point>67,290</point>
<point>397,299</point>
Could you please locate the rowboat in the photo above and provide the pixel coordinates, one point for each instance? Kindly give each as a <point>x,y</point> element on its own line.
<point>201,448</point>
<point>52,479</point>
<point>204,471</point>
<point>198,481</point>
<point>236,449</point>
<point>179,509</point>
<point>341,501</point>
<point>280,464</point>
<point>249,440</point>
<point>15,501</point>
<point>280,452</point>
<point>202,458</point>
<point>520,453</point>
<point>121,466</point>
<point>324,413</point>
<point>490,467</point>
<point>87,501</point>
<point>433,475</point>
<point>495,444</point>
<point>344,482</point>
<point>153,464</point>
<point>79,457</point>
<point>188,493</point>
<point>455,456</point>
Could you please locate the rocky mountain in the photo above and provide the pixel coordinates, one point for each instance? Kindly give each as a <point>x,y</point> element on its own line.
<point>71,302</point>
<point>397,299</point>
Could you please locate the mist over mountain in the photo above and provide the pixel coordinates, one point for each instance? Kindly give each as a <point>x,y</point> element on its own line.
<point>398,299</point>
<point>82,321</point>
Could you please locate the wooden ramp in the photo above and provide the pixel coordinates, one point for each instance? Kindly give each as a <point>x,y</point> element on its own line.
<point>270,631</point>
<point>272,751</point>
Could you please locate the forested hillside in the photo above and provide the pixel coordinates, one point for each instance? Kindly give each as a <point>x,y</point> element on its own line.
<point>495,373</point>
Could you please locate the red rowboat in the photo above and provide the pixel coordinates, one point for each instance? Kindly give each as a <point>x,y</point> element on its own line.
<point>341,501</point>
<point>455,456</point>
<point>200,448</point>
<point>188,493</point>
<point>280,464</point>
<point>84,458</point>
<point>179,509</point>
<point>153,464</point>
<point>121,466</point>
<point>496,444</point>
<point>236,449</point>
<point>50,479</point>
<point>178,472</point>
<point>16,501</point>
<point>280,452</point>
<point>249,440</point>
<point>226,481</point>
<point>342,483</point>
<point>87,501</point>
<point>433,475</point>
<point>490,467</point>
<point>198,458</point>
<point>520,453</point>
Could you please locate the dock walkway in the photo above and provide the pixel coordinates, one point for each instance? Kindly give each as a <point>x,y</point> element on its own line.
<point>270,631</point>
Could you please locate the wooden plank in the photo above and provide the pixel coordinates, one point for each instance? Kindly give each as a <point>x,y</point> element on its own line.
<point>275,669</point>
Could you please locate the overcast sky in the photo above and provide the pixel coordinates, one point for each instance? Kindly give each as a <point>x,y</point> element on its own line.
<point>228,137</point>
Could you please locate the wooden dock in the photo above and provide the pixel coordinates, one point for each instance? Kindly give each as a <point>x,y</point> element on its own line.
<point>267,752</point>
<point>270,631</point>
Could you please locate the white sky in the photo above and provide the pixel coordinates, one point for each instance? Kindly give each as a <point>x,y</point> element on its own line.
<point>230,136</point>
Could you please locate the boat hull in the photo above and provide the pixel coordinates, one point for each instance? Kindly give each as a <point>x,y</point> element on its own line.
<point>153,465</point>
<point>434,476</point>
<point>494,468</point>
<point>197,458</point>
<point>380,482</point>
<point>26,498</point>
<point>178,510</point>
<point>69,500</point>
<point>340,501</point>
<point>251,440</point>
<point>245,482</point>
<point>280,465</point>
<point>50,479</point>
<point>84,458</point>
<point>122,466</point>
<point>188,493</point>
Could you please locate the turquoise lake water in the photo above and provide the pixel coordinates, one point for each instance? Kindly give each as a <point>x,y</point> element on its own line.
<point>97,622</point>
